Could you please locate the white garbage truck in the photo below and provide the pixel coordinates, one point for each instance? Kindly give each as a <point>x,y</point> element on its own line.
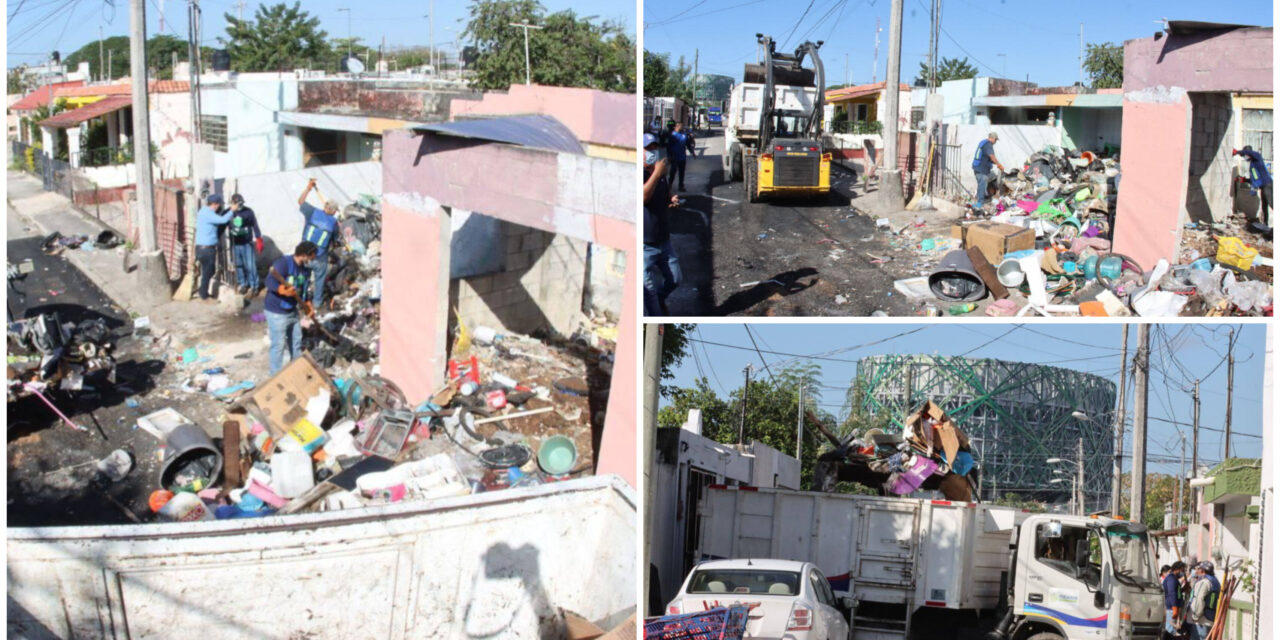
<point>921,568</point>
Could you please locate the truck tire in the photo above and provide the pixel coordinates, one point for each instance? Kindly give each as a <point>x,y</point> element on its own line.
<point>1045,635</point>
<point>751,177</point>
<point>735,163</point>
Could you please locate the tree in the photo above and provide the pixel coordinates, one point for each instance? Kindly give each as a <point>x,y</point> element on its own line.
<point>15,82</point>
<point>566,52</point>
<point>1105,65</point>
<point>278,37</point>
<point>675,343</point>
<point>1017,502</point>
<point>948,69</point>
<point>667,81</point>
<point>160,56</point>
<point>1160,498</point>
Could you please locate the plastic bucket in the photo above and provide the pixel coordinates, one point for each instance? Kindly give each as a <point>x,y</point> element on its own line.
<point>557,455</point>
<point>188,448</point>
<point>1010,273</point>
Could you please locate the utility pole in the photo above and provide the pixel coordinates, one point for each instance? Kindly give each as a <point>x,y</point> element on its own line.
<point>102,59</point>
<point>846,69</point>
<point>240,10</point>
<point>110,73</point>
<point>891,182</point>
<point>1182,478</point>
<point>146,222</point>
<point>348,10</point>
<point>526,26</point>
<point>746,388</point>
<point>652,375</point>
<point>1081,54</point>
<point>1231,371</point>
<point>875,62</point>
<point>431,38</point>
<point>800,422</point>
<point>695,87</point>
<point>1138,474</point>
<point>1080,470</point>
<point>1195,430</point>
<point>933,23</point>
<point>1117,466</point>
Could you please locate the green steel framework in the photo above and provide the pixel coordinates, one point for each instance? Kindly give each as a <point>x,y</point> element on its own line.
<point>1016,415</point>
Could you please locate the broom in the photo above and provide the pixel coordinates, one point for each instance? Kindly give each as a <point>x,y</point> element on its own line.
<point>186,288</point>
<point>916,204</point>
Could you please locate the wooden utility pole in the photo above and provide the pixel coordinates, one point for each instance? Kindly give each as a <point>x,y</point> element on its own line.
<point>1231,370</point>
<point>146,221</point>
<point>742,421</point>
<point>1117,466</point>
<point>1138,474</point>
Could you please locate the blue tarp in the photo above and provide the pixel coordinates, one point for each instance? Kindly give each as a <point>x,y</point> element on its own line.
<point>536,131</point>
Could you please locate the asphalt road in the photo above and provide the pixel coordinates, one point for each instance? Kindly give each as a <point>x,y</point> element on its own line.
<point>51,479</point>
<point>783,258</point>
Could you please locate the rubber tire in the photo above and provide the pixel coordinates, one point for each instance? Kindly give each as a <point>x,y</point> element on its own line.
<point>735,163</point>
<point>751,178</point>
<point>1045,635</point>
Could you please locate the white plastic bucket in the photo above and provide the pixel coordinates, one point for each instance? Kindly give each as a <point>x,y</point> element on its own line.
<point>1010,273</point>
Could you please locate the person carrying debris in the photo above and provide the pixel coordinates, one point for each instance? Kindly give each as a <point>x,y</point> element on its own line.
<point>320,229</point>
<point>246,238</point>
<point>286,291</point>
<point>661,267</point>
<point>208,219</point>
<point>1260,178</point>
<point>678,144</point>
<point>1204,600</point>
<point>983,158</point>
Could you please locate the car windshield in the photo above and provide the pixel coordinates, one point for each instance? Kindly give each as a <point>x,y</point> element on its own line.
<point>1132,555</point>
<point>745,581</point>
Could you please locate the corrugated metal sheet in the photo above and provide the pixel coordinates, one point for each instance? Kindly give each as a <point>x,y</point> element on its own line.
<point>537,131</point>
<point>88,112</point>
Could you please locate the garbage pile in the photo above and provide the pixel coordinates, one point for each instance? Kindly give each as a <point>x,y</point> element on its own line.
<point>348,326</point>
<point>932,453</point>
<point>44,352</point>
<point>1042,245</point>
<point>515,412</point>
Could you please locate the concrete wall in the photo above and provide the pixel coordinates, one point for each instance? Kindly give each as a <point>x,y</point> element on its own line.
<point>371,97</point>
<point>171,133</point>
<point>111,176</point>
<point>1016,143</point>
<point>1238,60</point>
<point>1153,195</point>
<point>1090,129</point>
<point>593,116</point>
<point>957,101</point>
<point>1210,165</point>
<point>256,141</point>
<point>606,279</point>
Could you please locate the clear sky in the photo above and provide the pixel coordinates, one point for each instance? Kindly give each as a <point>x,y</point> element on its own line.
<point>1180,353</point>
<point>1039,39</point>
<point>41,26</point>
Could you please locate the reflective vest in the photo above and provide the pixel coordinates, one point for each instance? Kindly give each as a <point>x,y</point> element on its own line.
<point>238,227</point>
<point>320,229</point>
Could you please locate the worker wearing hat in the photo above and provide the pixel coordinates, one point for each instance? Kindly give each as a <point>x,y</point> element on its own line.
<point>1260,178</point>
<point>983,158</point>
<point>1204,601</point>
<point>208,220</point>
<point>319,229</point>
<point>246,237</point>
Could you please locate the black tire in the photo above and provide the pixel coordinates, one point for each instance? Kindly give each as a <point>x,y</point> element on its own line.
<point>1045,635</point>
<point>735,163</point>
<point>751,178</point>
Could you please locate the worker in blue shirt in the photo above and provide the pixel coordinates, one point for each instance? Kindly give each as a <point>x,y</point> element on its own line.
<point>1173,602</point>
<point>319,229</point>
<point>287,282</point>
<point>246,237</point>
<point>678,144</point>
<point>983,158</point>
<point>1260,178</point>
<point>208,219</point>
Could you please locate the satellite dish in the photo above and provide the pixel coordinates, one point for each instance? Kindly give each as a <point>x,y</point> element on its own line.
<point>354,65</point>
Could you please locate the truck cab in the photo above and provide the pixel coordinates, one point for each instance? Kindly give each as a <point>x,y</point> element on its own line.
<point>1076,577</point>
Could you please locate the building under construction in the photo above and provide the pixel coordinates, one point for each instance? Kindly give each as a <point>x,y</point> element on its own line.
<point>1016,414</point>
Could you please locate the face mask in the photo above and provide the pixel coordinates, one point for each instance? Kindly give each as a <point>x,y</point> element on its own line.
<point>651,156</point>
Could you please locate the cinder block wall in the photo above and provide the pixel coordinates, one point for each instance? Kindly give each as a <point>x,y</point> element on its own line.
<point>541,287</point>
<point>1209,189</point>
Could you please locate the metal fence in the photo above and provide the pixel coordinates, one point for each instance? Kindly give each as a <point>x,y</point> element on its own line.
<point>103,156</point>
<point>948,166</point>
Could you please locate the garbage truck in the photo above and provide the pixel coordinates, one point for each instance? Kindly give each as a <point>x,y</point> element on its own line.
<point>923,568</point>
<point>773,139</point>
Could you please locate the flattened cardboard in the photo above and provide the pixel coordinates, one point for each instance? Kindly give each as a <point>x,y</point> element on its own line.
<point>281,401</point>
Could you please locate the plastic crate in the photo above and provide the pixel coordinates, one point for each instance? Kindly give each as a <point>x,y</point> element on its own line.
<point>723,623</point>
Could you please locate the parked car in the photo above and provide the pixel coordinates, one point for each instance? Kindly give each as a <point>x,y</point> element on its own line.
<point>787,599</point>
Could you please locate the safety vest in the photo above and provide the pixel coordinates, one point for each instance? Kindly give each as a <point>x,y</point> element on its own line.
<point>319,229</point>
<point>977,155</point>
<point>238,227</point>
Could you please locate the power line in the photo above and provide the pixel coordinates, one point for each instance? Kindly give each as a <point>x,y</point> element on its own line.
<point>753,343</point>
<point>1015,328</point>
<point>797,24</point>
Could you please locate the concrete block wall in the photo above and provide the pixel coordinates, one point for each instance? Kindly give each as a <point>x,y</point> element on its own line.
<point>541,287</point>
<point>1209,171</point>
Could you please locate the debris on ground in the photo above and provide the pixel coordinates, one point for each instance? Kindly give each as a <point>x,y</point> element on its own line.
<point>46,353</point>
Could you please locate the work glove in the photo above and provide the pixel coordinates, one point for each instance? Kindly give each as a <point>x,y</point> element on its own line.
<point>257,244</point>
<point>287,291</point>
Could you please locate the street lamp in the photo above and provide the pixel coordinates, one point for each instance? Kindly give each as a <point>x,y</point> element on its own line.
<point>1073,490</point>
<point>526,26</point>
<point>1077,479</point>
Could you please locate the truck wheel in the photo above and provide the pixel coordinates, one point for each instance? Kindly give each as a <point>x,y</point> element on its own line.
<point>1045,635</point>
<point>735,163</point>
<point>751,178</point>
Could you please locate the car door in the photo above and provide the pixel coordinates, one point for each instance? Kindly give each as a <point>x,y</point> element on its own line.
<point>825,610</point>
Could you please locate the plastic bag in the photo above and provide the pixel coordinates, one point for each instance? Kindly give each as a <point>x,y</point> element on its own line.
<point>1233,251</point>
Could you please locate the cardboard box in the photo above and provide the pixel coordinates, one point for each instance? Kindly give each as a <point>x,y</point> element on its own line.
<point>281,401</point>
<point>994,239</point>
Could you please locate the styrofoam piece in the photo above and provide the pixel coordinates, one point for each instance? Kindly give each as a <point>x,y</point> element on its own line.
<point>917,287</point>
<point>161,423</point>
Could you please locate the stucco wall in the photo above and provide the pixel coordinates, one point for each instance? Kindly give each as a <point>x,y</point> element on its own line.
<point>1091,129</point>
<point>593,116</point>
<point>1153,192</point>
<point>1016,143</point>
<point>171,132</point>
<point>256,142</point>
<point>1238,60</point>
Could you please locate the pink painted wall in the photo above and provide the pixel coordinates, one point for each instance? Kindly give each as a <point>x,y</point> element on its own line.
<point>1153,184</point>
<point>421,174</point>
<point>593,116</point>
<point>1238,60</point>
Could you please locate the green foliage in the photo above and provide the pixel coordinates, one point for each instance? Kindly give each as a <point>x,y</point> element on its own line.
<point>1160,497</point>
<point>1017,502</point>
<point>675,343</point>
<point>160,50</point>
<point>948,69</point>
<point>279,37</point>
<point>714,88</point>
<point>1105,65</point>
<point>566,52</point>
<point>15,82</point>
<point>661,80</point>
<point>771,413</point>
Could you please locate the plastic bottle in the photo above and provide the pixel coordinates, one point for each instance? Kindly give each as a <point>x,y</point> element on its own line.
<point>185,507</point>
<point>961,309</point>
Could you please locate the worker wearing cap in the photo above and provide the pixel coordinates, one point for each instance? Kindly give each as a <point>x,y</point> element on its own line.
<point>246,237</point>
<point>1204,601</point>
<point>208,219</point>
<point>679,144</point>
<point>1173,601</point>
<point>320,229</point>
<point>983,158</point>
<point>286,289</point>
<point>1260,178</point>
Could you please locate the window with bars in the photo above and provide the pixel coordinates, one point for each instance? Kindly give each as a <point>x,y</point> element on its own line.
<point>213,130</point>
<point>1258,132</point>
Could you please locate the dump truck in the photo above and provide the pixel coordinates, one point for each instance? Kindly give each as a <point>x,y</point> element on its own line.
<point>514,563</point>
<point>923,568</point>
<point>773,139</point>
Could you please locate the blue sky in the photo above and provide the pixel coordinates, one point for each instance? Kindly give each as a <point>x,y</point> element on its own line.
<point>403,22</point>
<point>1093,348</point>
<point>1037,38</point>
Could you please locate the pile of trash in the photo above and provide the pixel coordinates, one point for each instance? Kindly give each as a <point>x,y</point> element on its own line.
<point>44,352</point>
<point>55,243</point>
<point>515,412</point>
<point>348,326</point>
<point>932,453</point>
<point>1042,244</point>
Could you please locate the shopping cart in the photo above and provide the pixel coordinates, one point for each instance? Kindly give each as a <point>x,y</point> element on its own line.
<point>723,623</point>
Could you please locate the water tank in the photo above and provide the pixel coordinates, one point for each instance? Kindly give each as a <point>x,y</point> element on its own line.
<point>221,60</point>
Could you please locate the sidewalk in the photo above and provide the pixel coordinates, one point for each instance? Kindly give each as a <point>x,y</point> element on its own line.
<point>224,330</point>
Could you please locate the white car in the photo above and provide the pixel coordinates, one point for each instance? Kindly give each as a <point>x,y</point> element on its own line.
<point>786,598</point>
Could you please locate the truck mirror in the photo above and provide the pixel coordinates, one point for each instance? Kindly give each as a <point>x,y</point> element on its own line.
<point>1099,599</point>
<point>1082,553</point>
